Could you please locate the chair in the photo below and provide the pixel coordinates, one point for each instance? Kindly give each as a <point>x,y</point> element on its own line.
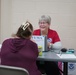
<point>9,70</point>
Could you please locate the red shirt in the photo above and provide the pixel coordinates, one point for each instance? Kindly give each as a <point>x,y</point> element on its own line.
<point>52,35</point>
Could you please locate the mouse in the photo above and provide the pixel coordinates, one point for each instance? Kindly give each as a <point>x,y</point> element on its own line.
<point>63,49</point>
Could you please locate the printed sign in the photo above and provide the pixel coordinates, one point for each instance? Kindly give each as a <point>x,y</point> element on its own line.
<point>41,41</point>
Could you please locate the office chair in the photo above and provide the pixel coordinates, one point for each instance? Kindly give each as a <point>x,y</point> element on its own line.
<point>9,70</point>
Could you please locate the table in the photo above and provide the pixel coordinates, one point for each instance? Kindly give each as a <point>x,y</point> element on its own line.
<point>52,56</point>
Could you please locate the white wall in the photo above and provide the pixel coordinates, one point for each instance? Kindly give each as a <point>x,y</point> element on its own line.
<point>62,12</point>
<point>5,19</point>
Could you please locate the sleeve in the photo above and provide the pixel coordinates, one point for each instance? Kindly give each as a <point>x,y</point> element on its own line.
<point>57,42</point>
<point>56,37</point>
<point>3,46</point>
<point>56,45</point>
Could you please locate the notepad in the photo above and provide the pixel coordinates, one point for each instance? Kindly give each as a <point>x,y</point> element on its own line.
<point>66,55</point>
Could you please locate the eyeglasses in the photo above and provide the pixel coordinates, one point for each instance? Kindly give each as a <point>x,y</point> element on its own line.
<point>42,22</point>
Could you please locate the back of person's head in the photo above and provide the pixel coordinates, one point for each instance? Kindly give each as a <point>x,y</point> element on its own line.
<point>25,30</point>
<point>45,18</point>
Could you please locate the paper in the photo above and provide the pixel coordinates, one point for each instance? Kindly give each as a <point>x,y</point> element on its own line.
<point>66,55</point>
<point>40,40</point>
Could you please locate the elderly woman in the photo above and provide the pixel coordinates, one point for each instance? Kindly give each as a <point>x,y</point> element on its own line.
<point>53,42</point>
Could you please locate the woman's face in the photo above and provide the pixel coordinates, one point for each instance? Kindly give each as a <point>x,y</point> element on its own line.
<point>43,26</point>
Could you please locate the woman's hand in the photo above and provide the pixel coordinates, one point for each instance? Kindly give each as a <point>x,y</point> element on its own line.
<point>49,44</point>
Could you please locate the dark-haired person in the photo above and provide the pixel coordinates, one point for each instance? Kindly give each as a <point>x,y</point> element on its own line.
<point>20,50</point>
<point>53,42</point>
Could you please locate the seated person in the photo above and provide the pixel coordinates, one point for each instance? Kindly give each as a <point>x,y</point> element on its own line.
<point>21,51</point>
<point>53,42</point>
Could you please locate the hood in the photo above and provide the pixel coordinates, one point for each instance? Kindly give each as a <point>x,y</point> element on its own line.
<point>17,44</point>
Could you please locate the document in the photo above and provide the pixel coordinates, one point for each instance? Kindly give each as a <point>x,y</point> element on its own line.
<point>40,40</point>
<point>66,55</point>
